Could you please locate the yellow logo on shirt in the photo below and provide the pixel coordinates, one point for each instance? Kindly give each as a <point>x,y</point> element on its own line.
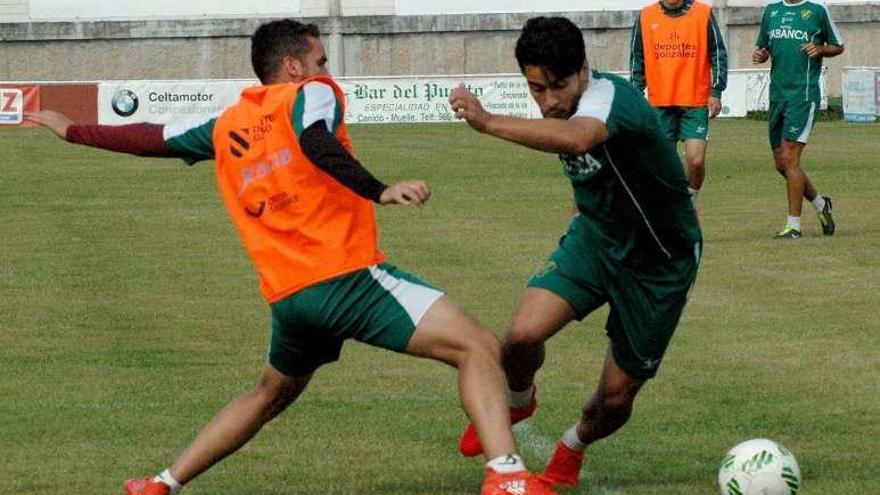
<point>806,13</point>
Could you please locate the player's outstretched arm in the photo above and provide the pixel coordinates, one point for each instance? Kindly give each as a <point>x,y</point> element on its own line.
<point>577,135</point>
<point>136,139</point>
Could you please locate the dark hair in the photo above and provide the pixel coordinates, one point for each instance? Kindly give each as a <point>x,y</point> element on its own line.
<point>275,40</point>
<point>552,43</point>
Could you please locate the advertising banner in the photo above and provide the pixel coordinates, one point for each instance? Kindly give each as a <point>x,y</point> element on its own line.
<point>377,100</point>
<point>859,95</point>
<point>165,102</point>
<point>369,100</point>
<point>425,99</point>
<point>15,100</point>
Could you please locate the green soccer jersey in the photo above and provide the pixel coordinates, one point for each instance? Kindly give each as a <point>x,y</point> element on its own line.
<point>785,29</point>
<point>631,189</point>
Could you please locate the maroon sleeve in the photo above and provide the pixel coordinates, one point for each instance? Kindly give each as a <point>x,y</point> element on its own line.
<point>135,139</point>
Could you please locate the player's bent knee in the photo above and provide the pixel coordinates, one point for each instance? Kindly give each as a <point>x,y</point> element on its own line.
<point>482,344</point>
<point>279,389</point>
<point>523,332</point>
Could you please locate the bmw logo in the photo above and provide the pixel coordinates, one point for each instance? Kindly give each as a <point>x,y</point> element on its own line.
<point>124,103</point>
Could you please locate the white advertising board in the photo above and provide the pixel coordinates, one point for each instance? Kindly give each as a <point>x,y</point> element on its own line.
<point>861,94</point>
<point>165,102</point>
<point>376,100</point>
<point>425,99</point>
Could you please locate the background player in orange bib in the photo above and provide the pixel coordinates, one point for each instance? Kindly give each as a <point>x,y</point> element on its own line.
<point>678,53</point>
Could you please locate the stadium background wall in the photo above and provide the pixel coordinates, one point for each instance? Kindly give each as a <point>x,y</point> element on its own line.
<point>359,45</point>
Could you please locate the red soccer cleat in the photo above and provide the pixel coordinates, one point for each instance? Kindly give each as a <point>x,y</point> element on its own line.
<point>518,483</point>
<point>146,486</point>
<point>469,444</point>
<point>564,467</point>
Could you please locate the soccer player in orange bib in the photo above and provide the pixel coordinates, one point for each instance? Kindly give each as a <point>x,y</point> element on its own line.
<point>678,53</point>
<point>302,205</point>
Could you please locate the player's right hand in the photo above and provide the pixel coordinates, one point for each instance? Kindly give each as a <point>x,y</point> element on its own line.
<point>56,121</point>
<point>760,56</point>
<point>465,105</point>
<point>406,192</point>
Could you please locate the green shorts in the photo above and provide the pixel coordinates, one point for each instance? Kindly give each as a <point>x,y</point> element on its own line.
<point>683,123</point>
<point>379,305</point>
<point>646,303</point>
<point>792,121</point>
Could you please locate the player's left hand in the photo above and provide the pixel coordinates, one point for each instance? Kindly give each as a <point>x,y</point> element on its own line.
<point>56,121</point>
<point>406,192</point>
<point>466,106</point>
<point>812,50</point>
<point>714,107</point>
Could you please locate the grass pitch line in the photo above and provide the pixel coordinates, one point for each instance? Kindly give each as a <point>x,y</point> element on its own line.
<point>529,438</point>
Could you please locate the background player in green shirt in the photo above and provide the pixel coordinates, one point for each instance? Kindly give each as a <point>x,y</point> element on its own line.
<point>795,36</point>
<point>634,243</point>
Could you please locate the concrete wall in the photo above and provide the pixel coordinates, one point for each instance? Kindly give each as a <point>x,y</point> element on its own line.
<point>360,45</point>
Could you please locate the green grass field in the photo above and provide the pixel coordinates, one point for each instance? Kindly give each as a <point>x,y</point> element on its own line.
<point>129,314</point>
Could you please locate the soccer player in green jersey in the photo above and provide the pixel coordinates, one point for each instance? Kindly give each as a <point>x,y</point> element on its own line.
<point>796,36</point>
<point>634,242</point>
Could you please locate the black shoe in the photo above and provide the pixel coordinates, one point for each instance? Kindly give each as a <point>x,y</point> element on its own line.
<point>825,217</point>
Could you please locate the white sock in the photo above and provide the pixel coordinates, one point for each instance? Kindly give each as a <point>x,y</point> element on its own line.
<point>695,193</point>
<point>794,223</point>
<point>510,463</point>
<point>165,477</point>
<point>521,399</point>
<point>571,440</point>
<point>818,202</point>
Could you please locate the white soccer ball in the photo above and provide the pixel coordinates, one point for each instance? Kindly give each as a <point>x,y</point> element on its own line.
<point>759,467</point>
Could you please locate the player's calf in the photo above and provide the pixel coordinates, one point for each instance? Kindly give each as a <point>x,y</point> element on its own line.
<point>469,444</point>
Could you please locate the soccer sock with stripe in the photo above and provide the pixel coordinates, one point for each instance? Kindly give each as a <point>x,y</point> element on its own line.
<point>571,440</point>
<point>521,399</point>
<point>510,463</point>
<point>165,477</point>
<point>818,202</point>
<point>695,194</point>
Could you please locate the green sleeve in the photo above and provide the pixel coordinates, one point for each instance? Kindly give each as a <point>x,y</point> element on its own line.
<point>763,40</point>
<point>193,142</point>
<point>832,35</point>
<point>717,57</point>
<point>637,56</point>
